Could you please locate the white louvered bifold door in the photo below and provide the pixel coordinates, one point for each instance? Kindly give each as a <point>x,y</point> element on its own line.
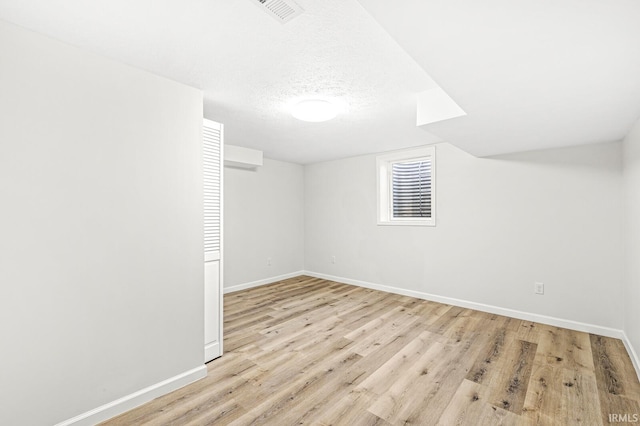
<point>212,134</point>
<point>212,190</point>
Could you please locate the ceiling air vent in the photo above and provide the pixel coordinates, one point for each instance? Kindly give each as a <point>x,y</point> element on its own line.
<point>281,10</point>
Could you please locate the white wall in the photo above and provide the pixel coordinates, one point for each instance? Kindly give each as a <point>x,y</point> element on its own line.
<point>101,230</point>
<point>503,223</point>
<point>631,151</point>
<point>263,219</point>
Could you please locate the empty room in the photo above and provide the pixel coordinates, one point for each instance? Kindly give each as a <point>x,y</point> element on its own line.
<point>330,212</point>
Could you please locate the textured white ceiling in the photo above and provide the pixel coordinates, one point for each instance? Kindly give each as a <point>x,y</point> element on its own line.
<point>252,67</point>
<point>529,74</point>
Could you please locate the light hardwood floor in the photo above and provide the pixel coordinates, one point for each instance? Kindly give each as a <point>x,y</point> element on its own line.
<point>311,351</point>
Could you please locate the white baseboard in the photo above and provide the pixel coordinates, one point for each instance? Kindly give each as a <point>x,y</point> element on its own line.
<point>262,282</point>
<point>527,316</point>
<point>632,353</point>
<point>135,399</point>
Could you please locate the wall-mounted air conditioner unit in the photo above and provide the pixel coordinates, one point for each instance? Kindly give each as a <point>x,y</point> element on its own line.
<point>243,158</point>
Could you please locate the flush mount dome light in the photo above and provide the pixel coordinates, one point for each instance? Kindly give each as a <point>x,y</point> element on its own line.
<point>314,110</point>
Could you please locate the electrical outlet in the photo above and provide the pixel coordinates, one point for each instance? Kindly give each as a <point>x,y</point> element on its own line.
<point>333,259</point>
<point>538,288</point>
<point>268,261</point>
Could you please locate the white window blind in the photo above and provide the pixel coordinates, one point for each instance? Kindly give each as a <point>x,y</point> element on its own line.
<point>407,187</point>
<point>411,188</point>
<point>212,133</point>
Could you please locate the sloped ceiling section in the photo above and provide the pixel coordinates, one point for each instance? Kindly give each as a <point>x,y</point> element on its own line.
<point>529,74</point>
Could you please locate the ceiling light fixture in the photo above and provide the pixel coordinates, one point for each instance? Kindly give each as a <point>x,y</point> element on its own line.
<point>314,110</point>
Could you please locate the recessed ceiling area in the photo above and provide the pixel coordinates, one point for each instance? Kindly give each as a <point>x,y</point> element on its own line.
<point>528,75</point>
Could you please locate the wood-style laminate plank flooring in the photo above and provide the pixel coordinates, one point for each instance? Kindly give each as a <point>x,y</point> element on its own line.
<point>312,351</point>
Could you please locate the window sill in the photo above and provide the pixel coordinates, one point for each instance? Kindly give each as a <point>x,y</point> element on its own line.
<point>407,223</point>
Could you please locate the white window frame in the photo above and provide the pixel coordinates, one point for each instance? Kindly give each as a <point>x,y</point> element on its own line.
<point>384,164</point>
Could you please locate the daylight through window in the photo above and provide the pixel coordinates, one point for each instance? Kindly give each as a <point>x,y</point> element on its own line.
<point>411,187</point>
<point>406,187</point>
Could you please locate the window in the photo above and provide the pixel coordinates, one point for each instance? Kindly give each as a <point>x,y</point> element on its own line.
<point>406,187</point>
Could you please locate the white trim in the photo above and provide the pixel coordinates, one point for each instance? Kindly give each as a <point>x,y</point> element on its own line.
<point>212,351</point>
<point>632,353</point>
<point>136,399</point>
<point>527,316</point>
<point>262,282</point>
